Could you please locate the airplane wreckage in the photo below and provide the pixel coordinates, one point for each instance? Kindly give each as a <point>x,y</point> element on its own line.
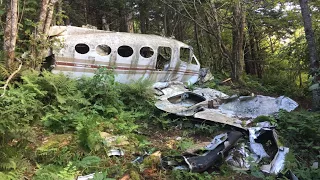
<point>131,56</point>
<point>170,63</point>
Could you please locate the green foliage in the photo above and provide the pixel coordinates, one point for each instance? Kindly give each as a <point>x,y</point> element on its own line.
<point>138,97</point>
<point>270,119</point>
<point>300,131</point>
<point>53,172</point>
<point>102,92</point>
<point>89,134</point>
<point>190,176</point>
<point>18,108</point>
<point>61,98</point>
<point>88,162</point>
<point>185,144</point>
<point>11,175</point>
<point>306,173</point>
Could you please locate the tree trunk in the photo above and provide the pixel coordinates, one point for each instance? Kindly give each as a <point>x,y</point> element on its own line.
<point>58,20</point>
<point>237,60</point>
<point>196,36</point>
<point>11,32</point>
<point>129,19</point>
<point>48,21</point>
<point>314,59</point>
<point>43,15</point>
<point>105,25</point>
<point>46,14</point>
<point>123,20</point>
<point>143,17</point>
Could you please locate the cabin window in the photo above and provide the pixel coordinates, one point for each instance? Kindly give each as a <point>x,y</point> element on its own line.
<point>193,61</point>
<point>82,48</point>
<point>125,51</point>
<point>103,50</point>
<point>163,58</point>
<point>146,52</point>
<point>185,55</point>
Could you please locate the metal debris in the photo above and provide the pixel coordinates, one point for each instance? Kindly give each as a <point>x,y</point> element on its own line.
<point>200,163</point>
<point>86,177</point>
<point>277,164</point>
<point>210,94</point>
<point>257,106</point>
<point>218,107</point>
<point>236,111</point>
<point>315,165</point>
<point>205,75</point>
<point>115,152</point>
<point>140,159</point>
<point>240,158</point>
<point>112,140</point>
<point>217,140</point>
<point>255,147</point>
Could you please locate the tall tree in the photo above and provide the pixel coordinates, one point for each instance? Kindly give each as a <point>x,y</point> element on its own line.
<point>11,32</point>
<point>314,59</point>
<point>237,60</point>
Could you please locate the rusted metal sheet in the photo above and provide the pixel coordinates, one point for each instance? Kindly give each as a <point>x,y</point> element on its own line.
<point>132,56</point>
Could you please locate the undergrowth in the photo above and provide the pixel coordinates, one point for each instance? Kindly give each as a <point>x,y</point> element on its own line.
<point>58,104</point>
<point>52,127</point>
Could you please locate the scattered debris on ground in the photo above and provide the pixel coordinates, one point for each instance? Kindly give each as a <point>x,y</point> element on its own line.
<point>254,143</point>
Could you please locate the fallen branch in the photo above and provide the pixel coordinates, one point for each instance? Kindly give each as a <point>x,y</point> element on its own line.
<point>10,77</point>
<point>229,79</point>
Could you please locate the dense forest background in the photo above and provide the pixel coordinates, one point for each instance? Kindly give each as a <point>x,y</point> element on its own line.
<point>51,125</point>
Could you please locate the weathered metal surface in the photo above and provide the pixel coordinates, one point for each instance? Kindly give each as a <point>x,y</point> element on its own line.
<point>218,107</point>
<point>255,147</point>
<point>235,111</point>
<point>240,158</point>
<point>215,115</point>
<point>278,163</point>
<point>257,106</point>
<point>210,94</point>
<point>201,163</point>
<point>217,140</point>
<point>138,64</point>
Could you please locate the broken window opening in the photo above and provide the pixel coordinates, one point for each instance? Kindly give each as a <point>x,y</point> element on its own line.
<point>193,61</point>
<point>185,55</point>
<point>103,50</point>
<point>82,48</point>
<point>163,58</point>
<point>125,51</point>
<point>146,52</point>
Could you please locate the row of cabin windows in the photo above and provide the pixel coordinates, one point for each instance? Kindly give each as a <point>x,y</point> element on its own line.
<point>123,51</point>
<point>164,53</point>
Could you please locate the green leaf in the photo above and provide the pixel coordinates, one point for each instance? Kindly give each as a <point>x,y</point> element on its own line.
<point>89,160</point>
<point>314,87</point>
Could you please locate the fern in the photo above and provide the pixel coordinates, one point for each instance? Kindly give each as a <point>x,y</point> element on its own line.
<point>88,161</point>
<point>53,172</point>
<point>4,73</point>
<point>11,175</point>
